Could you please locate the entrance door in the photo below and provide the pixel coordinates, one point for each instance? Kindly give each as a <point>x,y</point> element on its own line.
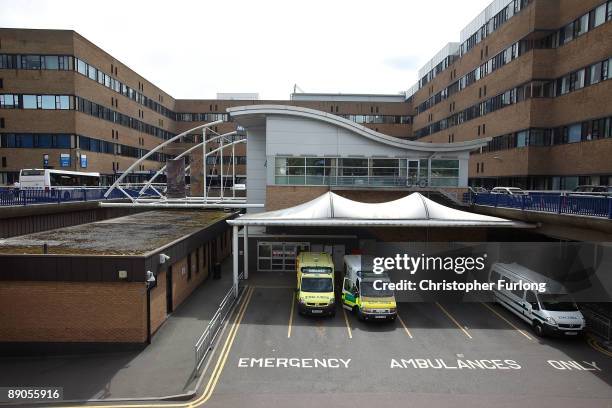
<point>413,172</point>
<point>279,256</point>
<point>169,290</point>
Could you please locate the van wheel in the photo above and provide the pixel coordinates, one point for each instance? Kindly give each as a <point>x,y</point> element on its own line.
<point>538,329</point>
<point>358,313</point>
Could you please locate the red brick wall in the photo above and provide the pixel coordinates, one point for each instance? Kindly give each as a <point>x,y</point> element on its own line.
<point>73,312</point>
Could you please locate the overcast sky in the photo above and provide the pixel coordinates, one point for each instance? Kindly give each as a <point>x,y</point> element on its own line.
<point>194,49</point>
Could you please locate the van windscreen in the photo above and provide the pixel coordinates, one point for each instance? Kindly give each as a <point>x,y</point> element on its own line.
<point>557,303</point>
<point>317,285</point>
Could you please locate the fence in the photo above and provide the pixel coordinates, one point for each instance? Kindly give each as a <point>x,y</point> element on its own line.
<point>560,203</point>
<point>597,323</point>
<point>204,344</point>
<point>14,196</point>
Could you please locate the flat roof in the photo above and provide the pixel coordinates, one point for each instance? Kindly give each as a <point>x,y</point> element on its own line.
<point>348,97</point>
<point>135,234</point>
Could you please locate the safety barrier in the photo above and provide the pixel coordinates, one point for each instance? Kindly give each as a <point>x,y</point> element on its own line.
<point>560,203</point>
<point>205,342</point>
<point>14,196</point>
<point>597,323</point>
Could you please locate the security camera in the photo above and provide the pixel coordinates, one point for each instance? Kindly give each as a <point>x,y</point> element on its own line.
<point>163,258</point>
<point>150,277</point>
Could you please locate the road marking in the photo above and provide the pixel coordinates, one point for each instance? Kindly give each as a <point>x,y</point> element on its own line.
<point>214,378</point>
<point>348,326</point>
<point>454,321</point>
<point>291,315</point>
<point>506,320</point>
<point>404,325</point>
<point>594,345</point>
<point>216,372</point>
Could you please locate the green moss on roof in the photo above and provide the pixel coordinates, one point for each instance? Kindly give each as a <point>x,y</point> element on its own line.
<point>130,235</point>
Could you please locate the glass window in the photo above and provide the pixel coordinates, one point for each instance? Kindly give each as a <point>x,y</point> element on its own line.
<point>574,133</point>
<point>63,141</point>
<point>521,139</point>
<point>595,73</point>
<point>93,73</point>
<point>581,25</point>
<point>30,62</point>
<point>599,16</point>
<point>64,102</point>
<point>51,61</point>
<point>81,67</point>
<point>44,141</point>
<point>29,101</point>
<point>48,101</point>
<point>25,140</point>
<point>579,79</point>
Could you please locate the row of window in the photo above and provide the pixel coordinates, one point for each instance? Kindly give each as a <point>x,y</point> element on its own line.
<point>493,24</point>
<point>368,171</point>
<point>49,102</point>
<point>589,21</point>
<point>201,117</point>
<point>378,119</point>
<point>70,141</point>
<point>592,74</point>
<point>214,160</point>
<point>574,133</point>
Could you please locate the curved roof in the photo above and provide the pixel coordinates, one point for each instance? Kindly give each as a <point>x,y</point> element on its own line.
<point>254,115</point>
<point>414,210</point>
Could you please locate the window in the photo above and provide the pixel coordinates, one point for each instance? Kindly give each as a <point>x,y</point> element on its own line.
<point>444,173</point>
<point>574,133</point>
<point>598,16</point>
<point>581,25</point>
<point>188,266</point>
<point>81,67</point>
<point>29,102</point>
<point>595,73</point>
<point>522,139</point>
<point>48,101</point>
<point>2,123</point>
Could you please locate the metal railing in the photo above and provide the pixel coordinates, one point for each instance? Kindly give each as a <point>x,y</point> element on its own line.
<point>597,323</point>
<point>561,203</point>
<point>21,197</point>
<point>205,342</point>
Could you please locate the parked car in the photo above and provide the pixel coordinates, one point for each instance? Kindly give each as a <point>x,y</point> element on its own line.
<point>592,189</point>
<point>515,191</point>
<point>477,190</point>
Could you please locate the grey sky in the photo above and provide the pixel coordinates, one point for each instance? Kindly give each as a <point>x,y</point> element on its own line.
<point>194,49</point>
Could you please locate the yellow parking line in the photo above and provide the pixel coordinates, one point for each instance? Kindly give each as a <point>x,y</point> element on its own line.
<point>404,325</point>
<point>212,383</point>
<point>593,343</point>
<point>348,326</point>
<point>291,315</point>
<point>506,320</point>
<point>454,321</point>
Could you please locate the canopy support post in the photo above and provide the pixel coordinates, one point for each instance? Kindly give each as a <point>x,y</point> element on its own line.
<point>235,258</point>
<point>245,267</point>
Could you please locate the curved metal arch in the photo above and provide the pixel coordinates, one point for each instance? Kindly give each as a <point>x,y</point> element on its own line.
<point>191,149</point>
<point>161,145</point>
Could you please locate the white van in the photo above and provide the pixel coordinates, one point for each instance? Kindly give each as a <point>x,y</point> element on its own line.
<point>548,312</point>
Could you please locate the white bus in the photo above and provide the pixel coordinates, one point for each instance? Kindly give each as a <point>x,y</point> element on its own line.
<point>48,179</point>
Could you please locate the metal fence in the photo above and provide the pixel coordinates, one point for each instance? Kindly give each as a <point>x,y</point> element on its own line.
<point>597,323</point>
<point>560,203</point>
<point>15,196</point>
<point>205,342</point>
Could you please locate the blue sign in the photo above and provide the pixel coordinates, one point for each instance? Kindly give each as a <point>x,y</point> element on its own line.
<point>84,161</point>
<point>64,160</point>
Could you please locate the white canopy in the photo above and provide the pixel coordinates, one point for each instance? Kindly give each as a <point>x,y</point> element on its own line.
<point>414,210</point>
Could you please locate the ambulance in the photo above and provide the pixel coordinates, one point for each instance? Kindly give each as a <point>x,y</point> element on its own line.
<point>315,284</point>
<point>359,295</point>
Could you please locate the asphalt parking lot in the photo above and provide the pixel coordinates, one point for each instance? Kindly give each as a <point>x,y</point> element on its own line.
<point>434,355</point>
